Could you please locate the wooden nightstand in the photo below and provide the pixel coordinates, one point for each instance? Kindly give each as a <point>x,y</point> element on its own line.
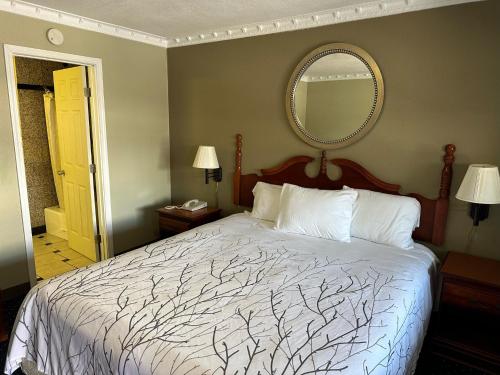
<point>467,327</point>
<point>176,221</point>
<point>471,283</point>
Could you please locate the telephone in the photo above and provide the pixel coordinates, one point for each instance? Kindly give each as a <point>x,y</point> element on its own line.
<point>193,205</point>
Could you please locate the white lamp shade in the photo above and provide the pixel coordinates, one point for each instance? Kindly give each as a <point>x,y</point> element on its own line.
<point>481,184</point>
<point>206,158</point>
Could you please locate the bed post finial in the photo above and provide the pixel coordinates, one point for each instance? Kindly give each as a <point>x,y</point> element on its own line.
<point>237,170</point>
<point>447,173</point>
<point>322,169</point>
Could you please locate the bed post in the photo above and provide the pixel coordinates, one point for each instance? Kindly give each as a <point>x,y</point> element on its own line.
<point>237,170</point>
<point>442,203</point>
<point>447,173</point>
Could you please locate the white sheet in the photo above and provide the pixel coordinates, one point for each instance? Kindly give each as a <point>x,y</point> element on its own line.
<point>232,296</point>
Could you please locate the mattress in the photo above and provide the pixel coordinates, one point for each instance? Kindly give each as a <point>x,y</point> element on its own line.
<point>232,297</point>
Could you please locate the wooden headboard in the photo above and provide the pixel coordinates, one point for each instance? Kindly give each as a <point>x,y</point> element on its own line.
<point>433,215</point>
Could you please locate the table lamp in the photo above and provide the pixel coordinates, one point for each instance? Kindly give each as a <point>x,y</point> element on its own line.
<point>480,187</point>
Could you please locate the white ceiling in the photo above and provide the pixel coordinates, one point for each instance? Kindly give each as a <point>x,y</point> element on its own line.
<point>183,22</point>
<point>178,18</point>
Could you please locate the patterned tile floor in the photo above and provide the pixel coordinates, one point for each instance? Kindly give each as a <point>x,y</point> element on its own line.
<point>53,256</point>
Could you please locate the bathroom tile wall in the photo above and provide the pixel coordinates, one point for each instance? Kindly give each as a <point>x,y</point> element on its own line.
<point>41,190</point>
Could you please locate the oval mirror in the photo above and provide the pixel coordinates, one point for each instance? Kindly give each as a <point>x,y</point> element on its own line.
<point>334,96</point>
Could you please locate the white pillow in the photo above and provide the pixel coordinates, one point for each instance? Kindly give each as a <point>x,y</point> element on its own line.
<point>385,218</point>
<point>266,202</point>
<point>318,213</point>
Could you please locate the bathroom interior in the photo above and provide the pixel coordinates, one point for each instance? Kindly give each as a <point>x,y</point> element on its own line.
<point>42,159</point>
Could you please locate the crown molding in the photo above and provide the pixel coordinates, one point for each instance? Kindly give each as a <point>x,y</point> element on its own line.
<point>369,9</point>
<point>64,18</point>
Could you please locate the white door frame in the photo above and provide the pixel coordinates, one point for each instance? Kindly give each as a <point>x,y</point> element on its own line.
<point>103,193</point>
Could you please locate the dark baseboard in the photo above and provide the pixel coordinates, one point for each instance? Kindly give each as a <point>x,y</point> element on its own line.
<point>38,230</point>
<point>16,291</point>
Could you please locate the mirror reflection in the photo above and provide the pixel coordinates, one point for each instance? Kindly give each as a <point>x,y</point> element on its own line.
<point>334,96</point>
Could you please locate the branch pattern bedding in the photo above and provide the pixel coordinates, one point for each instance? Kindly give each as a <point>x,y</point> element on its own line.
<point>232,297</point>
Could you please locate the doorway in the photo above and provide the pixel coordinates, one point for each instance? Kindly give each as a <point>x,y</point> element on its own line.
<point>58,121</point>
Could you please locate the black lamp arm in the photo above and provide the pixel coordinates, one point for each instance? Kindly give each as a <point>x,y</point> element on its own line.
<point>215,174</point>
<point>479,212</point>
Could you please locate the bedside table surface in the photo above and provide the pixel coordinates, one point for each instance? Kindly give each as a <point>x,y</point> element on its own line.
<point>473,268</point>
<point>188,215</point>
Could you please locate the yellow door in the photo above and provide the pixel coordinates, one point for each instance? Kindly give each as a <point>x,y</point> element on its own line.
<point>74,139</point>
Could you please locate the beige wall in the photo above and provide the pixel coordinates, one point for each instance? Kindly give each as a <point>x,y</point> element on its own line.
<point>135,89</point>
<point>441,87</point>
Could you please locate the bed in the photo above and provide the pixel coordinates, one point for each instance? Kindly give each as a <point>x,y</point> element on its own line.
<point>237,297</point>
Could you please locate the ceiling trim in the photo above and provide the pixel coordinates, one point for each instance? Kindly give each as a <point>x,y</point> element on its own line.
<point>369,9</point>
<point>64,18</point>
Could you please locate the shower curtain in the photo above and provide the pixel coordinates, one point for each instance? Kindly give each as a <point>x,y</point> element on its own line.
<point>55,156</point>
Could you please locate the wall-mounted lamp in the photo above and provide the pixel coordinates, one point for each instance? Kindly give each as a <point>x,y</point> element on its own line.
<point>206,158</point>
<point>480,187</point>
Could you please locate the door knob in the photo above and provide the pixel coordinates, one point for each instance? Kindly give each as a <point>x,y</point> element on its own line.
<point>61,172</point>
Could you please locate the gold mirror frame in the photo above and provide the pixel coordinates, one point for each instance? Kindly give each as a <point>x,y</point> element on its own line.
<point>304,64</point>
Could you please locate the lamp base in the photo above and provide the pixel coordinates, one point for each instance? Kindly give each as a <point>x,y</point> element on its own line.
<point>478,212</point>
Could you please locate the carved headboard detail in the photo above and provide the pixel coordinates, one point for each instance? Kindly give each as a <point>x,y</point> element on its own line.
<point>434,212</point>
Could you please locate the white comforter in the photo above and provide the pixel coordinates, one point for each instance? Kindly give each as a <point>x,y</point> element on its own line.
<point>232,297</point>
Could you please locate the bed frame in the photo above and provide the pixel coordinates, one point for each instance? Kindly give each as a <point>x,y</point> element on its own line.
<point>433,215</point>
